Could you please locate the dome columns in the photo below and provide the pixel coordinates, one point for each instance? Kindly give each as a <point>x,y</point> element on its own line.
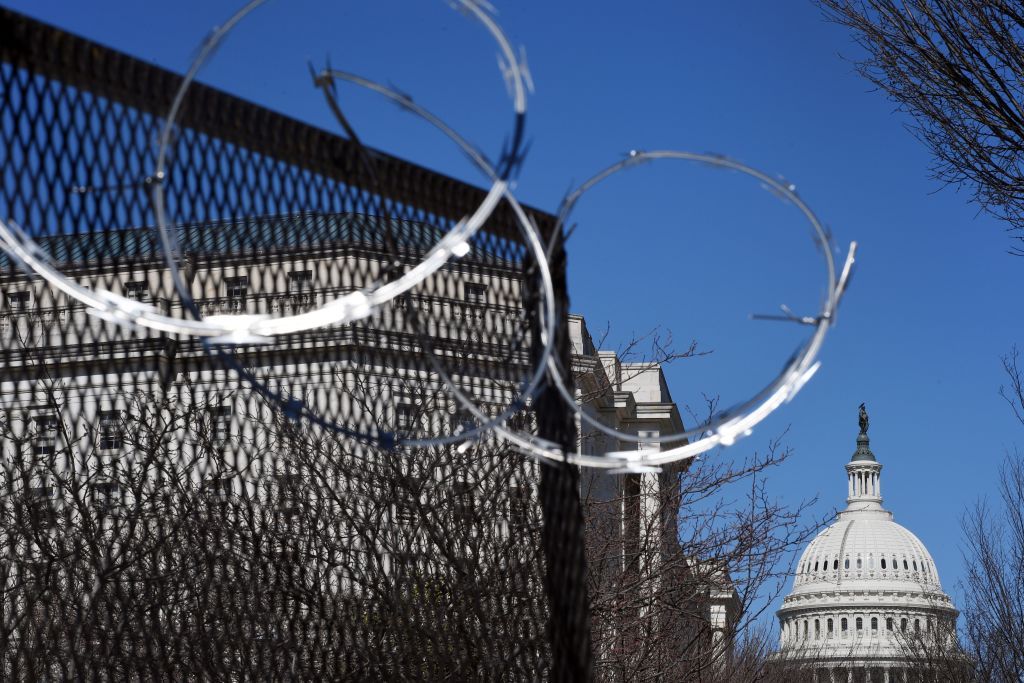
<point>864,484</point>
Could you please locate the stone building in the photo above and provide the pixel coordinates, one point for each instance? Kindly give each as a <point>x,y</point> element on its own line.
<point>109,399</point>
<point>866,590</point>
<point>678,609</point>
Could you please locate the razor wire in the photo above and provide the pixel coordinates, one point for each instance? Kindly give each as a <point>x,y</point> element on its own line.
<point>738,421</point>
<point>221,332</point>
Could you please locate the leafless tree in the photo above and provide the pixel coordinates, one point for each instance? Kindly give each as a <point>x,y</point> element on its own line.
<point>993,609</point>
<point>643,352</point>
<point>313,557</point>
<point>682,563</point>
<point>935,654</point>
<point>957,66</point>
<point>1013,393</point>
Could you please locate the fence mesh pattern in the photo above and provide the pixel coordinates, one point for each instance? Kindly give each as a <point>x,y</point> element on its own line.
<point>178,510</point>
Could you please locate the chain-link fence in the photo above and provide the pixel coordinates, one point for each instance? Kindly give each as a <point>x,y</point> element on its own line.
<point>179,509</point>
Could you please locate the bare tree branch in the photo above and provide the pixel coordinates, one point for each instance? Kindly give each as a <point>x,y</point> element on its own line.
<point>957,67</point>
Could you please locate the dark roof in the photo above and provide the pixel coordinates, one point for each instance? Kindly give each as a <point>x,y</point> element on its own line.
<point>245,236</point>
<point>863,451</point>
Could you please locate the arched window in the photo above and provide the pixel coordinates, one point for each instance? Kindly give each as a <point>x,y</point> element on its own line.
<point>874,623</point>
<point>895,564</point>
<point>903,624</point>
<point>905,563</point>
<point>860,624</point>
<point>815,566</point>
<point>917,625</point>
<point>883,563</point>
<point>829,624</point>
<point>846,563</point>
<point>835,564</point>
<point>888,623</point>
<point>842,624</point>
<point>858,563</point>
<point>915,565</point>
<point>817,629</point>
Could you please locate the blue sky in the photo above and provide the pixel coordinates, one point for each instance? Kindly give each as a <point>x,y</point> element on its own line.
<point>930,310</point>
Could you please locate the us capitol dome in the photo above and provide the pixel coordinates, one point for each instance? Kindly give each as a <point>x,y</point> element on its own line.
<point>864,587</point>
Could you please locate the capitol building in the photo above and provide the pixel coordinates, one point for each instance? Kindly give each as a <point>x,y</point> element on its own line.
<point>865,589</point>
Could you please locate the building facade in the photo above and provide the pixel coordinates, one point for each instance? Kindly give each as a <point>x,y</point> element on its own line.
<point>656,610</point>
<point>866,595</point>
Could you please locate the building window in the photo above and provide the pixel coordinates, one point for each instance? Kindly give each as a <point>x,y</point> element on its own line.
<point>888,623</point>
<point>17,302</point>
<point>408,497</point>
<point>44,435</point>
<point>858,563</point>
<point>106,497</point>
<point>519,506</point>
<point>111,430</point>
<point>406,513</point>
<point>903,625</point>
<point>289,493</point>
<point>860,624</point>
<point>905,564</point>
<point>915,565</point>
<point>843,624</point>
<point>874,623</point>
<point>917,625</point>
<point>883,563</point>
<point>406,419</point>
<point>846,563</point>
<point>236,287</point>
<point>830,626</point>
<point>476,293</point>
<point>464,505</point>
<point>220,424</point>
<point>300,287</point>
<point>42,505</point>
<point>218,488</point>
<point>817,629</point>
<point>835,564</point>
<point>300,281</point>
<point>137,290</point>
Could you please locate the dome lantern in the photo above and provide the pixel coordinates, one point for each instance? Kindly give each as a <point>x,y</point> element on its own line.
<point>864,474</point>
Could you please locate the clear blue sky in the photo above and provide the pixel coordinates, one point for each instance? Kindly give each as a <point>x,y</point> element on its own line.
<point>933,303</point>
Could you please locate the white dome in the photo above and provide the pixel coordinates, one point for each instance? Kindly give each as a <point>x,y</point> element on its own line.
<point>861,583</point>
<point>860,551</point>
